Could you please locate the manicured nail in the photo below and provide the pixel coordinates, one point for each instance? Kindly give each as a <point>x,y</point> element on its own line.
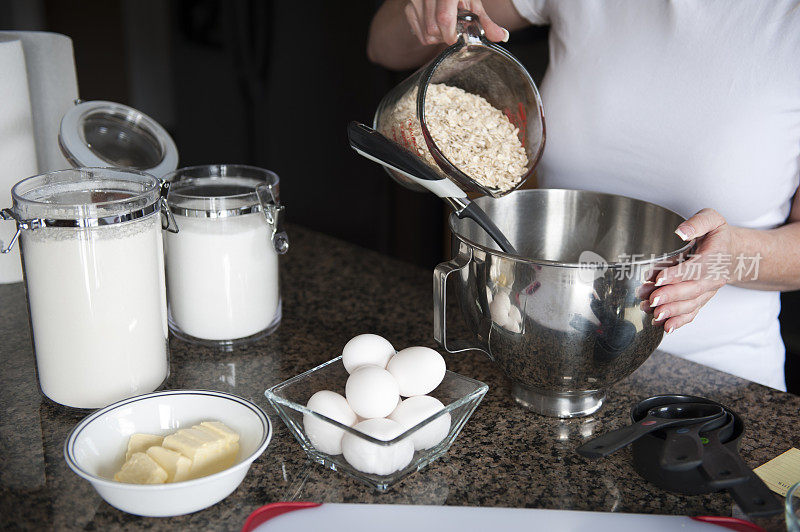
<point>506,35</point>
<point>659,281</point>
<point>661,315</point>
<point>670,329</point>
<point>655,301</point>
<point>684,234</point>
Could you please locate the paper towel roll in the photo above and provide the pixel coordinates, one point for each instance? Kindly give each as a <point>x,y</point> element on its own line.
<point>17,145</point>
<point>53,87</point>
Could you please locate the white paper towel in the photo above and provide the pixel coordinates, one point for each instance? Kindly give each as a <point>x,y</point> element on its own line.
<point>53,84</point>
<point>17,145</point>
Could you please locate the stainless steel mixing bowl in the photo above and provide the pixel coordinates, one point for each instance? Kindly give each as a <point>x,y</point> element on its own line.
<point>568,317</point>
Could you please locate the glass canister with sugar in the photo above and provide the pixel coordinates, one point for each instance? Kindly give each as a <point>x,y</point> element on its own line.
<point>91,243</point>
<point>222,265</point>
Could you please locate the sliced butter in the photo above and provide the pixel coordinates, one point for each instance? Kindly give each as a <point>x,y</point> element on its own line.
<point>141,469</point>
<point>177,466</point>
<point>139,443</point>
<point>189,453</point>
<point>210,452</point>
<point>219,428</point>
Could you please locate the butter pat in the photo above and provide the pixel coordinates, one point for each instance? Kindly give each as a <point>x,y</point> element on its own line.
<point>139,443</point>
<point>210,451</point>
<point>141,469</point>
<point>219,428</point>
<point>177,466</point>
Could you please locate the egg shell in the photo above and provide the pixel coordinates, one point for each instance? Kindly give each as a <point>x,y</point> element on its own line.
<point>359,419</point>
<point>499,308</point>
<point>325,436</point>
<point>372,392</point>
<point>418,370</point>
<point>366,349</point>
<point>419,408</point>
<point>377,459</point>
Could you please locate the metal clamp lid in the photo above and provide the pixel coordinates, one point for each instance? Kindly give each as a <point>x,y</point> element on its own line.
<point>215,213</point>
<point>273,212</point>
<point>167,220</point>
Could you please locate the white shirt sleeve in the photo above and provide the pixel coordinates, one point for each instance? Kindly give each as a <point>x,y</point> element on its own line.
<point>533,10</point>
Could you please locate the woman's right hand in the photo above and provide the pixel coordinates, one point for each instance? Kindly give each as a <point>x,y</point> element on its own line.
<point>434,21</point>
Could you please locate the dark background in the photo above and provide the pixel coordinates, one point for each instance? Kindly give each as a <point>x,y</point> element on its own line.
<point>273,84</point>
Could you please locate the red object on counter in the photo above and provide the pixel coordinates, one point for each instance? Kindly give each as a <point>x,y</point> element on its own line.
<point>731,523</point>
<point>267,512</point>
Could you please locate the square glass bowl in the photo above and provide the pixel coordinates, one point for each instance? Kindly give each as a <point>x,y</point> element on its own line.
<point>460,395</point>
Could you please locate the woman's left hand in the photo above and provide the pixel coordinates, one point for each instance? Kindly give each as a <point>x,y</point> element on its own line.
<point>681,290</point>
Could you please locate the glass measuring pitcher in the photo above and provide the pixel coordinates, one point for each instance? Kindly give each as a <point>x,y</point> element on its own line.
<point>479,67</point>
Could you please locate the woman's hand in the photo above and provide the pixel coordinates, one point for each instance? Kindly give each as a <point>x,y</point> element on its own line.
<point>434,21</point>
<point>405,34</point>
<point>683,289</point>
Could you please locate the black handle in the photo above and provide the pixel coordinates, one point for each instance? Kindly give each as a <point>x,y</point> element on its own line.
<point>615,440</point>
<point>474,212</point>
<point>726,469</point>
<point>754,497</point>
<point>683,449</point>
<point>723,467</point>
<point>375,145</point>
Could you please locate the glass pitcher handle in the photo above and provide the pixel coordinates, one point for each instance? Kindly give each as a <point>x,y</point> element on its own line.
<point>469,27</point>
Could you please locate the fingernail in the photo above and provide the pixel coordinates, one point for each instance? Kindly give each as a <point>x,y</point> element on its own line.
<point>685,234</point>
<point>506,35</point>
<point>659,282</point>
<point>661,315</point>
<point>655,301</point>
<point>670,329</point>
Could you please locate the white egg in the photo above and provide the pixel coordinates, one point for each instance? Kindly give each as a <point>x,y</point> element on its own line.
<point>366,349</point>
<point>373,458</point>
<point>419,408</point>
<point>418,370</point>
<point>359,419</point>
<point>372,392</point>
<point>325,436</point>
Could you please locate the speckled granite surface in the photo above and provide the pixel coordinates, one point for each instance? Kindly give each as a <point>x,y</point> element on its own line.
<point>505,456</point>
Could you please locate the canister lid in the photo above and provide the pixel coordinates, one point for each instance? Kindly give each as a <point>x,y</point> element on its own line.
<point>217,197</point>
<point>100,133</point>
<point>220,190</point>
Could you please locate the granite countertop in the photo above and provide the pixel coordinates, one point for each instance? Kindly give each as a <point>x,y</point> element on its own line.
<point>505,456</point>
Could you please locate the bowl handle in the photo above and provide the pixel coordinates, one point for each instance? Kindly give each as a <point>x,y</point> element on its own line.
<point>440,275</point>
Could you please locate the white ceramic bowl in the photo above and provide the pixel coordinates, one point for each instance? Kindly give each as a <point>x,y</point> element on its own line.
<point>95,449</point>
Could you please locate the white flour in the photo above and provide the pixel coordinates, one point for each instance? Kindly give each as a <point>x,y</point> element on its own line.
<point>98,311</point>
<point>222,276</point>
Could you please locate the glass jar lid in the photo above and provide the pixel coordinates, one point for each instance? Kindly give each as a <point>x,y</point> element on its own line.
<point>100,133</point>
<point>219,191</point>
<point>225,190</point>
<point>84,197</point>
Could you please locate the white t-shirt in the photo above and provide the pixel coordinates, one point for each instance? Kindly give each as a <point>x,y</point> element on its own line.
<point>687,104</point>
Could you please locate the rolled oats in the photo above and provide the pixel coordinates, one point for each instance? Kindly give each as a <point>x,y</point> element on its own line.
<point>475,136</point>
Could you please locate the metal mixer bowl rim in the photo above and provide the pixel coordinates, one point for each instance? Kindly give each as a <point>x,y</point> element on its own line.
<point>583,265</point>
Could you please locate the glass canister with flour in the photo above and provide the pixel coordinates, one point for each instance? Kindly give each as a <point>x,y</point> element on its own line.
<point>222,266</point>
<point>92,255</point>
